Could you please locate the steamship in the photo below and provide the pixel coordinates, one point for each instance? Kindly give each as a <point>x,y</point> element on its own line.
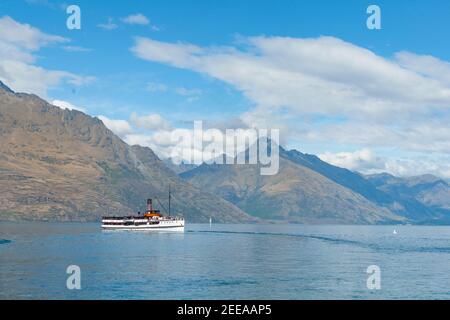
<point>150,220</point>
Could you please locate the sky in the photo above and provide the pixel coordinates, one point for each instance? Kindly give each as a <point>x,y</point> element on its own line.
<point>368,100</point>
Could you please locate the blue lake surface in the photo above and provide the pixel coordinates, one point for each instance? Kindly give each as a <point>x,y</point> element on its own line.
<point>224,262</point>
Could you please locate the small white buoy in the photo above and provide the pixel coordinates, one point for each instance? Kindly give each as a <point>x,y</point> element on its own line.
<point>395,231</point>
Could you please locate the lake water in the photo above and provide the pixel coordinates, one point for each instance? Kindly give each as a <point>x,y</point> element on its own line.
<point>225,262</point>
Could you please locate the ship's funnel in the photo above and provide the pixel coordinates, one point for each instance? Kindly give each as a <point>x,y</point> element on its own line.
<point>149,205</point>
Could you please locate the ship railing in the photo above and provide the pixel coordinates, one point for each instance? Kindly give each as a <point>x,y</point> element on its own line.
<point>140,218</point>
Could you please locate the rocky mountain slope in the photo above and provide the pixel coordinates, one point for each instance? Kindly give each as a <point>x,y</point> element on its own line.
<point>65,165</point>
<point>428,191</point>
<point>307,187</point>
<point>296,194</point>
<point>178,168</point>
<point>409,207</point>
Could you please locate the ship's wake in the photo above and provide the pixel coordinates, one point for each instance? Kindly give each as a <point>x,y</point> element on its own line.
<point>280,234</point>
<point>393,246</point>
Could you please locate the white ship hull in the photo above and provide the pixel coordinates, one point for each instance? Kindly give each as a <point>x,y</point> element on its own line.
<point>143,224</point>
<point>151,220</point>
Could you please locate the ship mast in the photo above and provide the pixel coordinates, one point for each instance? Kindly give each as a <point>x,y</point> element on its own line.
<point>169,200</point>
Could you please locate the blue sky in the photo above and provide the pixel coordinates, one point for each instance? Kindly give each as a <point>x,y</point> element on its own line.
<point>107,77</point>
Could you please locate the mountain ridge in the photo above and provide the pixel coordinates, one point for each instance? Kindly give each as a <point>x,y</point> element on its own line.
<point>427,207</point>
<point>430,191</point>
<point>295,194</point>
<point>404,206</point>
<point>60,164</point>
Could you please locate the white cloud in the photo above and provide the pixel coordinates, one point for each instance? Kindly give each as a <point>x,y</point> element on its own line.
<point>429,136</point>
<point>179,54</point>
<point>360,160</point>
<point>18,46</point>
<point>426,65</point>
<point>327,90</point>
<point>119,127</point>
<point>110,25</point>
<point>153,122</point>
<point>322,76</point>
<point>23,77</point>
<point>162,142</point>
<point>149,131</point>
<point>365,161</point>
<point>159,142</point>
<point>77,80</point>
<point>76,49</point>
<point>155,132</point>
<point>136,19</point>
<point>188,92</point>
<point>25,36</point>
<point>66,105</point>
<point>156,87</point>
<point>407,167</point>
<point>191,94</point>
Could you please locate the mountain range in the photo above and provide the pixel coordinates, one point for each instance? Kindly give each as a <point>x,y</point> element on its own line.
<point>309,190</point>
<point>427,196</point>
<point>409,207</point>
<point>64,165</point>
<point>296,194</point>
